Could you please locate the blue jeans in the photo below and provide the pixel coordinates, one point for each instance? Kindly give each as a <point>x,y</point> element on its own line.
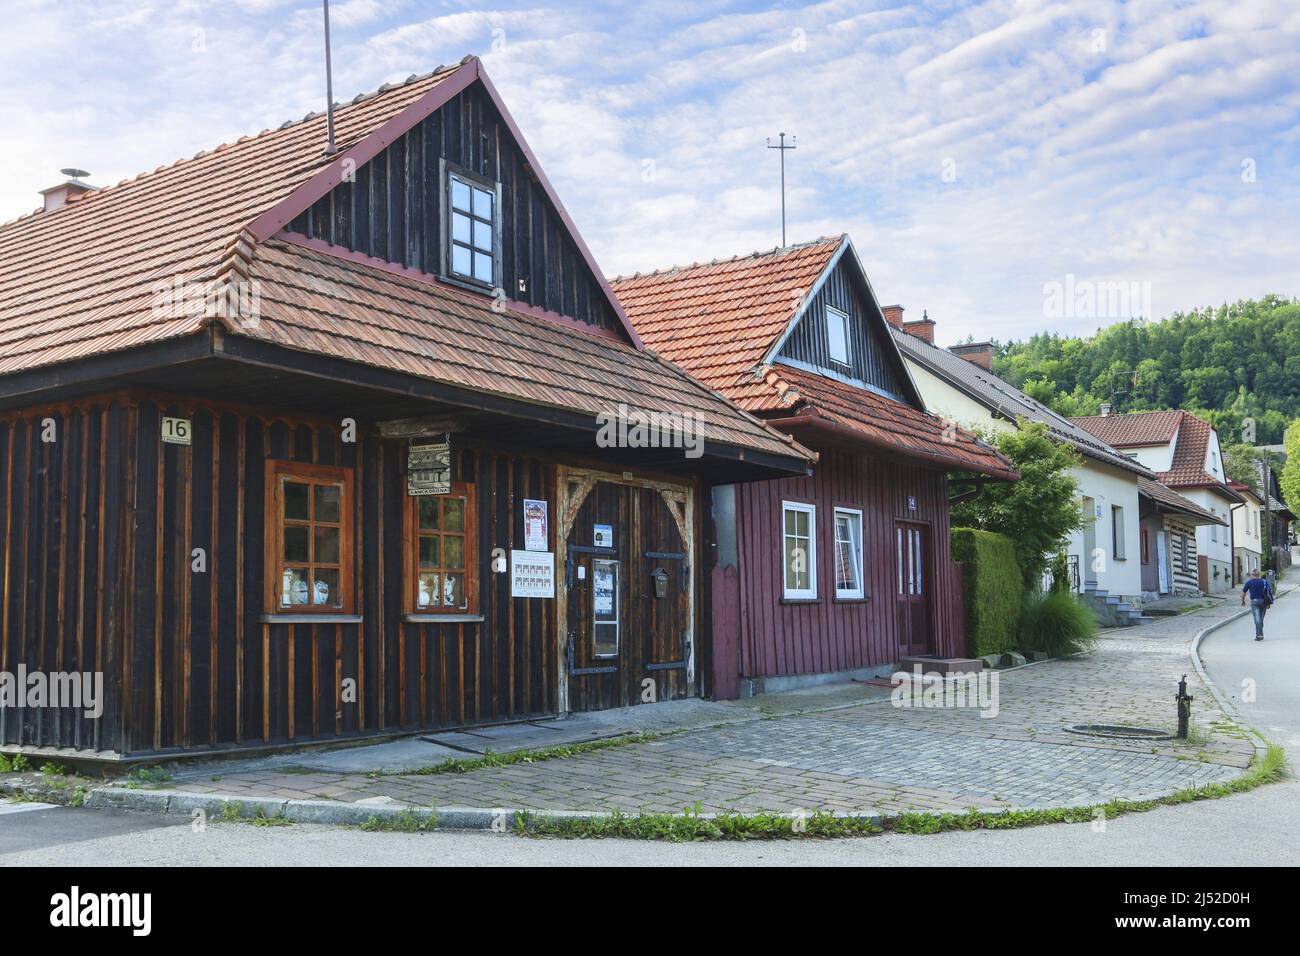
<point>1258,608</point>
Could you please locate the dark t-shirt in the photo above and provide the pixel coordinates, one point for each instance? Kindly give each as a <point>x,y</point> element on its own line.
<point>1257,588</point>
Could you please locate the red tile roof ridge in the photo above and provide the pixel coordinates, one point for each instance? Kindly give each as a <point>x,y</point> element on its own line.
<point>756,254</point>
<point>359,98</point>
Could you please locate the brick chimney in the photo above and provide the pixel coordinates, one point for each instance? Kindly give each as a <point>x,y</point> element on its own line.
<point>67,190</point>
<point>922,328</point>
<point>978,353</point>
<point>894,315</point>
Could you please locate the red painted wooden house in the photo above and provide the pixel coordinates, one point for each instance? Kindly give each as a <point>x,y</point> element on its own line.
<point>849,569</point>
<point>299,447</point>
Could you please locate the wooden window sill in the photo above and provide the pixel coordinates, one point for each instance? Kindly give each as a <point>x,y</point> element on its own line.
<point>311,619</point>
<point>801,600</point>
<point>853,600</point>
<point>442,618</point>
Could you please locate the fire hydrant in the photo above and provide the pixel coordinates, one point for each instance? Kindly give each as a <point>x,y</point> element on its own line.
<point>1184,708</point>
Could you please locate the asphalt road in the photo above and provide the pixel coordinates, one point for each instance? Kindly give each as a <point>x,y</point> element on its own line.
<point>1261,827</point>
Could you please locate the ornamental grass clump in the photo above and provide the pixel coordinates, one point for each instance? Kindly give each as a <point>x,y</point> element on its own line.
<point>1056,624</point>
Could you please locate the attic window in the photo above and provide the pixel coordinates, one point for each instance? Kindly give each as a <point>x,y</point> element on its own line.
<point>837,336</point>
<point>472,220</point>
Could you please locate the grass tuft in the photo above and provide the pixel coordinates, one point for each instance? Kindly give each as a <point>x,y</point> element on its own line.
<point>490,759</point>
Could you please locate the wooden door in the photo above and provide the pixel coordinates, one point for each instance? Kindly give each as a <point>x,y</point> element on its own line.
<point>913,585</point>
<point>1162,560</point>
<point>663,609</point>
<point>628,597</point>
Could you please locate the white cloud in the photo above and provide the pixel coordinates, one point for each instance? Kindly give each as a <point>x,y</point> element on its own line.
<point>1119,163</point>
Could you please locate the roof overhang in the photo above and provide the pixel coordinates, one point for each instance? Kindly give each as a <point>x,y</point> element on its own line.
<point>814,431</point>
<point>1220,489</point>
<point>221,366</point>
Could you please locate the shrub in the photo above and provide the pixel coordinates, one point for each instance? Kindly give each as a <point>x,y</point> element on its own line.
<point>993,588</point>
<point>1056,624</point>
<point>1039,511</point>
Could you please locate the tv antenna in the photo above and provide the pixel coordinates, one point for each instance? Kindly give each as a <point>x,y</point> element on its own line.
<point>783,147</point>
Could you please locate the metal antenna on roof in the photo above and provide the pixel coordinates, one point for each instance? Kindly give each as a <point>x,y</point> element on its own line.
<point>782,147</point>
<point>330,148</point>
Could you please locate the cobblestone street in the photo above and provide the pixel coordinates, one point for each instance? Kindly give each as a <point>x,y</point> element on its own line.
<point>847,748</point>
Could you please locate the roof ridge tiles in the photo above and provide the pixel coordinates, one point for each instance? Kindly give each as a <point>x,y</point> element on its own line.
<point>756,254</point>
<point>287,124</point>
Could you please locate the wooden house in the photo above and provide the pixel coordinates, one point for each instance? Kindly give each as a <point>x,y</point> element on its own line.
<point>298,447</point>
<point>849,569</point>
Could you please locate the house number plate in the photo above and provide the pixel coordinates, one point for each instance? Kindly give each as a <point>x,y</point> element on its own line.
<point>176,431</point>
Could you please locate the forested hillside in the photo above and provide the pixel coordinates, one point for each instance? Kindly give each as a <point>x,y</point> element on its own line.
<point>1229,364</point>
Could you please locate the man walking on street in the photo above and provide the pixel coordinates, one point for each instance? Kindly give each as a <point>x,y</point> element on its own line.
<point>1261,599</point>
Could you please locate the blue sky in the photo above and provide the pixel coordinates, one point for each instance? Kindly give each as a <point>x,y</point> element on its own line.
<point>977,152</point>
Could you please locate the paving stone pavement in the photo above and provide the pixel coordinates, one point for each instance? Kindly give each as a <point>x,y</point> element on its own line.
<point>847,748</point>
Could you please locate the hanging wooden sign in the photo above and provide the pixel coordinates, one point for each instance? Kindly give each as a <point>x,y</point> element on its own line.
<point>428,468</point>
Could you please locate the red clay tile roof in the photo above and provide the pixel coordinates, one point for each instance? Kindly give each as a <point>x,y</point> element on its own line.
<point>1132,429</point>
<point>881,422</point>
<point>718,320</point>
<point>84,279</point>
<point>316,302</point>
<point>1188,468</point>
<point>1173,501</point>
<point>80,280</point>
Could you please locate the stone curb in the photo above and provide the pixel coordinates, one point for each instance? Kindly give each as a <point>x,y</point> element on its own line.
<point>336,813</point>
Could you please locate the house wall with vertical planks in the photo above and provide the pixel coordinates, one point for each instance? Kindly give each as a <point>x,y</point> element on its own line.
<point>99,531</point>
<point>774,637</point>
<point>394,210</point>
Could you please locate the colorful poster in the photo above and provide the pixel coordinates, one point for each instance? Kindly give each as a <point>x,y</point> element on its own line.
<point>535,531</point>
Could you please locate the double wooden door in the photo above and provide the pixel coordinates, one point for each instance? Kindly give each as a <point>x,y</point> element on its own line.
<point>913,584</point>
<point>628,593</point>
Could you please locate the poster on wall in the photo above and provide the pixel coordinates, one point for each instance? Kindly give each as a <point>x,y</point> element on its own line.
<point>535,532</point>
<point>603,536</point>
<point>603,586</point>
<point>532,574</point>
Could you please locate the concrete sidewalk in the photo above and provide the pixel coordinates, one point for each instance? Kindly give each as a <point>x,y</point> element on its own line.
<point>843,748</point>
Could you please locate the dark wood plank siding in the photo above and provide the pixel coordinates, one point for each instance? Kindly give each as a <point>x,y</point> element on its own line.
<point>775,638</point>
<point>62,564</point>
<point>873,360</point>
<point>394,210</point>
<point>96,572</point>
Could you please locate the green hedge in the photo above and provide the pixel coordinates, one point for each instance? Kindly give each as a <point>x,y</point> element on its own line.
<point>993,589</point>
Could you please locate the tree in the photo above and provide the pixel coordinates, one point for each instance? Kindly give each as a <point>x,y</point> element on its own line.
<point>1241,462</point>
<point>1039,511</point>
<point>1290,477</point>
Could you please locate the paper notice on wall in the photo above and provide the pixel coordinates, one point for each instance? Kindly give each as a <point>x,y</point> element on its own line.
<point>603,586</point>
<point>602,535</point>
<point>532,574</point>
<point>535,530</point>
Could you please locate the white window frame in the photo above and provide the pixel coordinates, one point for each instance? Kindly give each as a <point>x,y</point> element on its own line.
<point>832,314</point>
<point>800,594</point>
<point>855,515</point>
